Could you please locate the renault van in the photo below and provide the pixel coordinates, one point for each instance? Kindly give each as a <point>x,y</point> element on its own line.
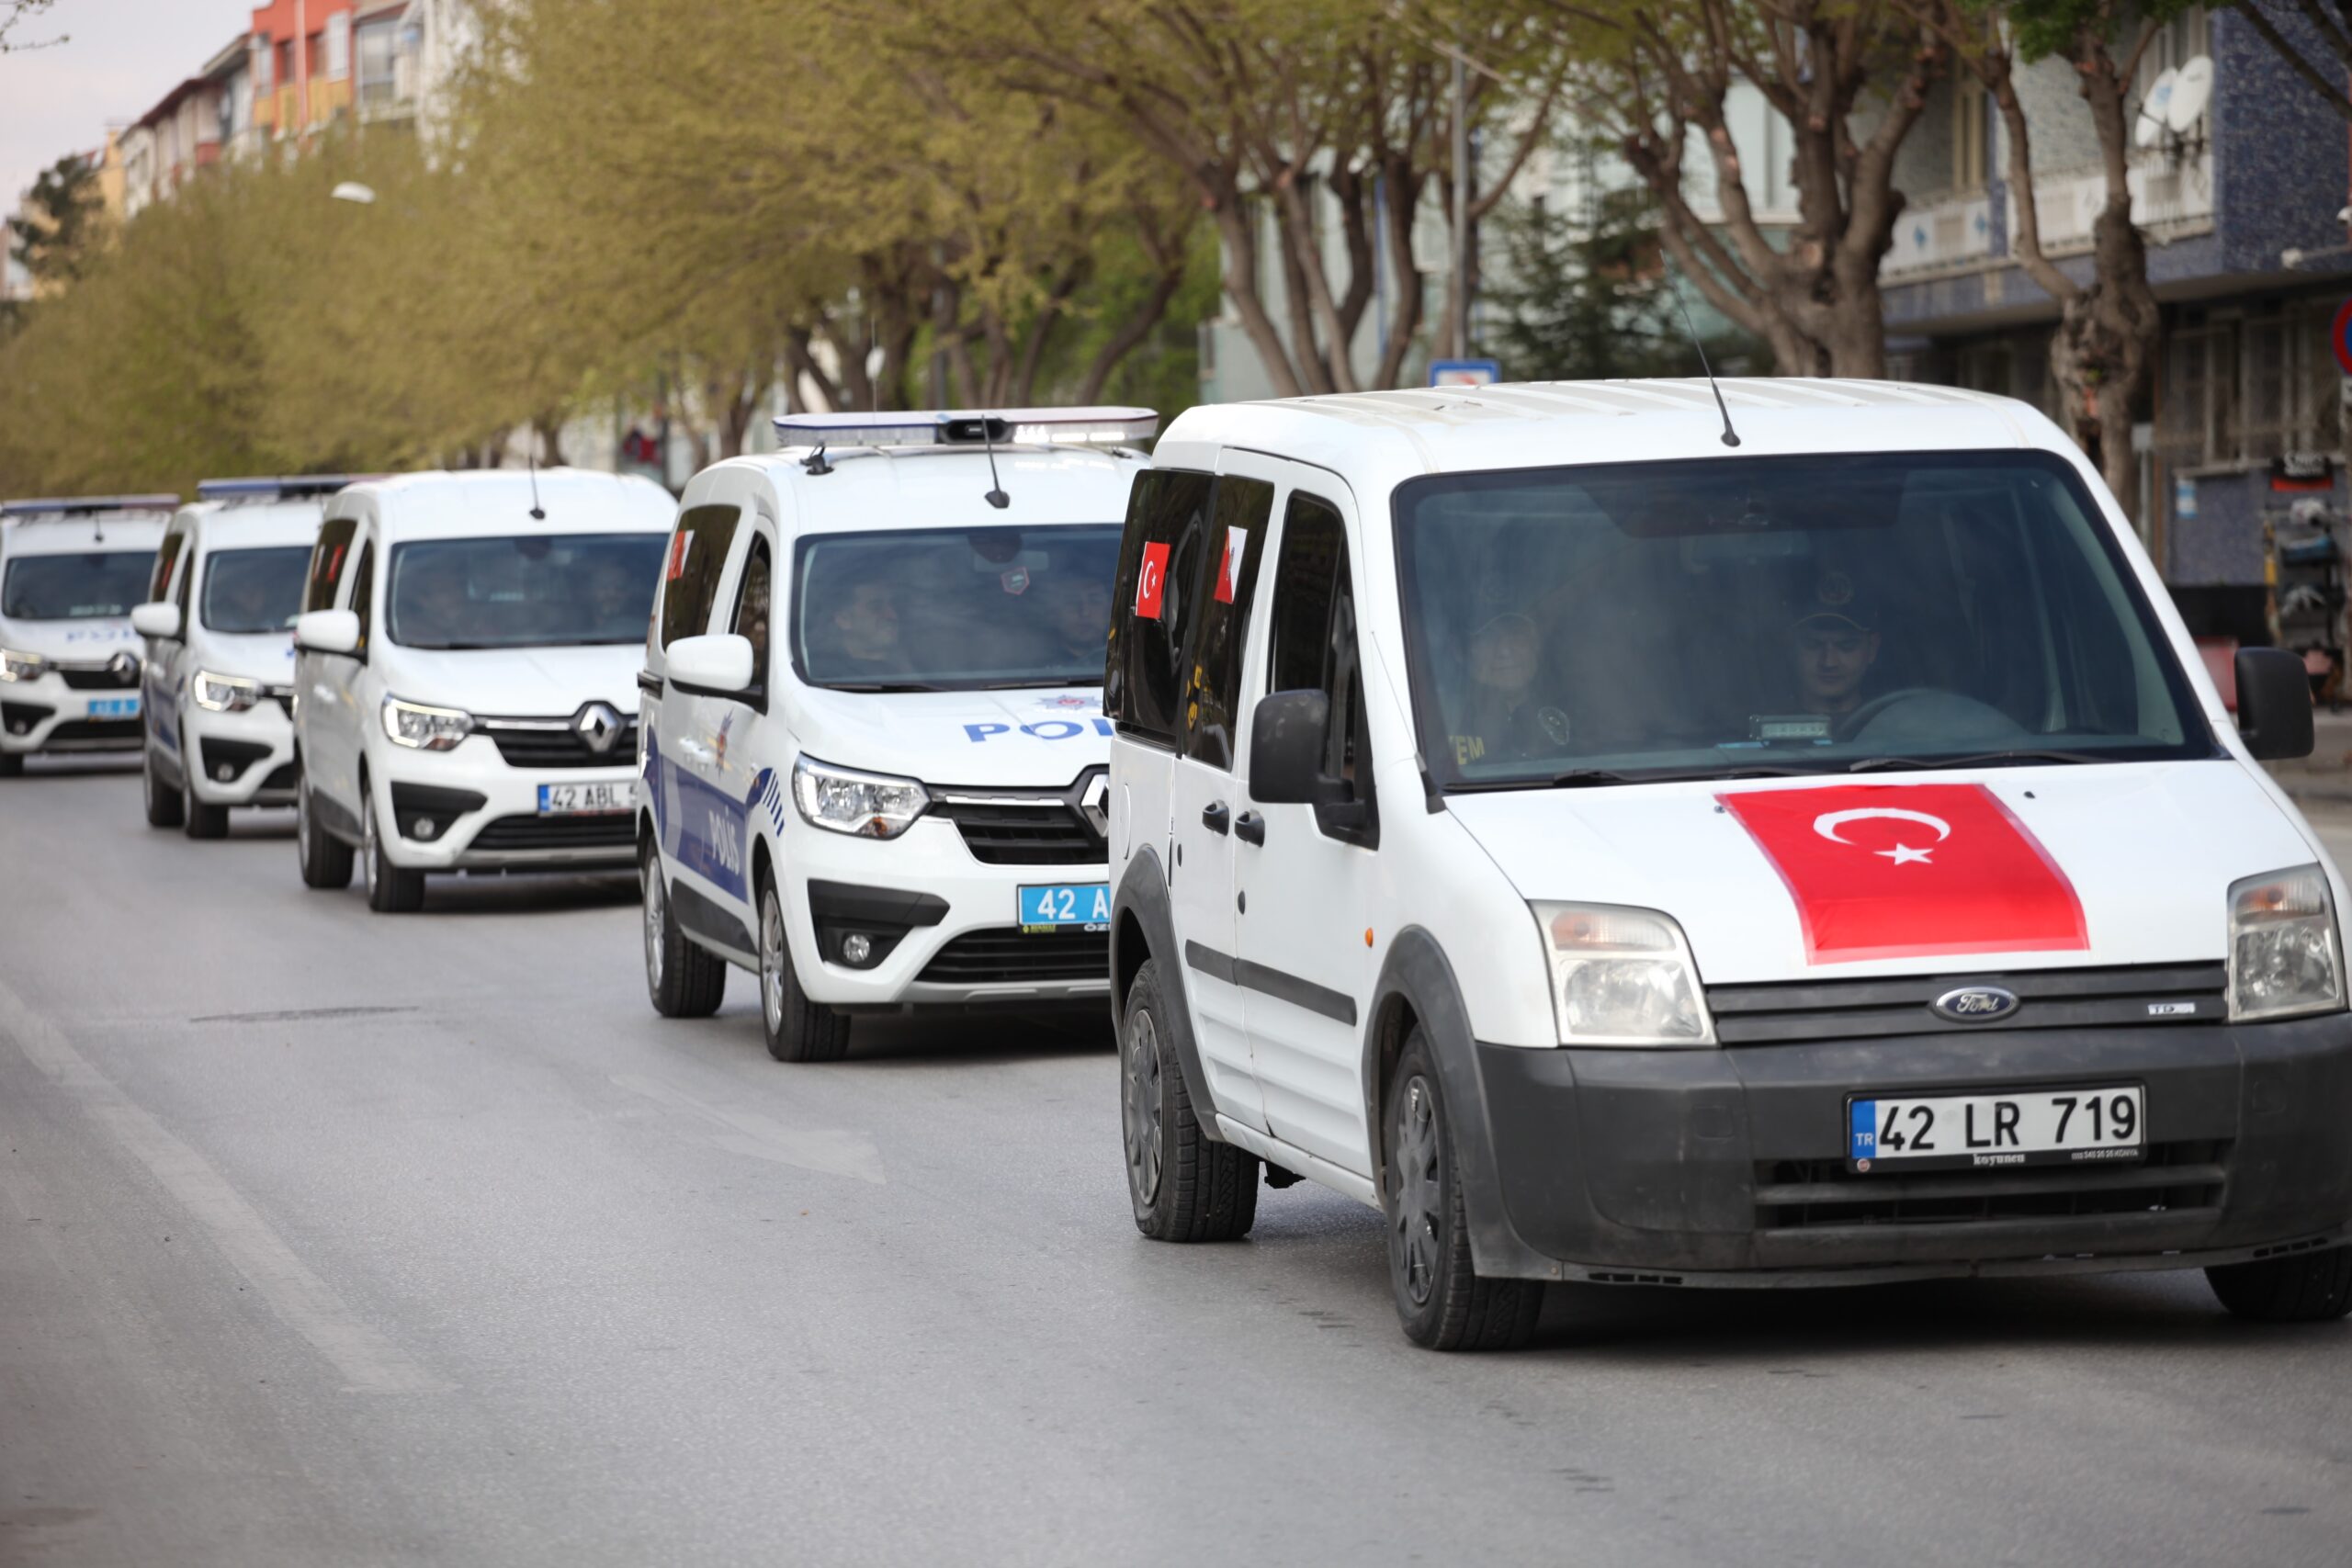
<point>70,572</point>
<point>1635,840</point>
<point>874,747</point>
<point>464,691</point>
<point>218,692</point>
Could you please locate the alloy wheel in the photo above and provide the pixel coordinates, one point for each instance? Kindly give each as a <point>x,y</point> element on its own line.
<point>1418,1194</point>
<point>772,961</point>
<point>655,913</point>
<point>368,840</point>
<point>1143,1100</point>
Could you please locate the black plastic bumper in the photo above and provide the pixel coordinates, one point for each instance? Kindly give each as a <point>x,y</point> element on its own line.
<point>1732,1162</point>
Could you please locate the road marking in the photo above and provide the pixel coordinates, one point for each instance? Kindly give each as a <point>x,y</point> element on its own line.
<point>370,1363</point>
<point>830,1151</point>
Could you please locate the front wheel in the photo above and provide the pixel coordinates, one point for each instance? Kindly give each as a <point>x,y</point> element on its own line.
<point>203,821</point>
<point>797,1028</point>
<point>1442,1301</point>
<point>2310,1287</point>
<point>163,804</point>
<point>11,765</point>
<point>326,860</point>
<point>390,890</point>
<point>1185,1186</point>
<point>684,979</point>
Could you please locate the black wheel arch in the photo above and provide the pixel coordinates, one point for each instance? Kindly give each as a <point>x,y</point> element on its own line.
<point>1143,926</point>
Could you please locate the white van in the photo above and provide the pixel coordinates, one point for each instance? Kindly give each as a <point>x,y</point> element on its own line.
<point>220,629</point>
<point>873,750</point>
<point>70,572</point>
<point>465,696</point>
<point>1624,856</point>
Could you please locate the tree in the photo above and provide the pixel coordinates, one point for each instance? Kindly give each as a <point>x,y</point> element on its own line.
<point>1849,78</point>
<point>52,238</point>
<point>14,14</point>
<point>2327,23</point>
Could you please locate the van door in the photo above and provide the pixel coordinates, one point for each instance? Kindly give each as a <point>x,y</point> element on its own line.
<point>1303,875</point>
<point>734,768</point>
<point>349,710</point>
<point>159,685</point>
<point>701,828</point>
<point>322,684</point>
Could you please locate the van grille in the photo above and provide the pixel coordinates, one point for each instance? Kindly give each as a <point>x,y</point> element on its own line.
<point>529,747</point>
<point>1812,1194</point>
<point>614,831</point>
<point>99,679</point>
<point>1009,954</point>
<point>2164,994</point>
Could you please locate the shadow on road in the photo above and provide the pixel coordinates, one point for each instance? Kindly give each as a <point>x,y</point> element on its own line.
<point>66,767</point>
<point>974,1037</point>
<point>522,894</point>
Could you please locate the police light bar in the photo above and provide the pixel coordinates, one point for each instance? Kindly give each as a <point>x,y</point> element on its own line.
<point>85,505</point>
<point>281,489</point>
<point>970,427</point>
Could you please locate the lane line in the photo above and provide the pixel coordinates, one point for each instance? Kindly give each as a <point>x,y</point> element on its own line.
<point>829,1151</point>
<point>309,1305</point>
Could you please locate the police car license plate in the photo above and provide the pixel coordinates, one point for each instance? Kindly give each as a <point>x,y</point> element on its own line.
<point>582,800</point>
<point>114,707</point>
<point>1082,906</point>
<point>1985,1132</point>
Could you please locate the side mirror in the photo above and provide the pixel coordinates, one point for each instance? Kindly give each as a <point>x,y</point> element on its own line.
<point>2274,704</point>
<point>328,631</point>
<point>1287,735</point>
<point>719,664</point>
<point>156,620</point>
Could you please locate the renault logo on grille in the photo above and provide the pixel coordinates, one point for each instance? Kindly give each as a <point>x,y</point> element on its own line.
<point>1094,804</point>
<point>599,725</point>
<point>1975,1004</point>
<point>124,667</point>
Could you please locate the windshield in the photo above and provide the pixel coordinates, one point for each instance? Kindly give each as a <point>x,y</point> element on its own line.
<point>254,591</point>
<point>956,609</point>
<point>1766,615</point>
<point>80,587</point>
<point>530,590</point>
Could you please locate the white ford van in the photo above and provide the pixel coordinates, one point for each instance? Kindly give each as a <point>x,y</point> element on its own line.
<point>1624,856</point>
<point>874,749</point>
<point>465,693</point>
<point>220,629</point>
<point>70,572</point>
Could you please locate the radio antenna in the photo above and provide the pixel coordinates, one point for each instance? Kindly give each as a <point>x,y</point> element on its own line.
<point>538,512</point>
<point>996,496</point>
<point>1731,436</point>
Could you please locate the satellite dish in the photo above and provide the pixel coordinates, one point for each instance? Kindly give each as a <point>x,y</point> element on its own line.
<point>2154,109</point>
<point>2192,89</point>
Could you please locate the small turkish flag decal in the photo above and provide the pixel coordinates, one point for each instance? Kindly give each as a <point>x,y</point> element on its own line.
<point>1228,570</point>
<point>677,567</point>
<point>1905,871</point>
<point>1151,583</point>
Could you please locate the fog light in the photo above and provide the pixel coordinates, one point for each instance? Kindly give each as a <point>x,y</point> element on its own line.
<point>21,728</point>
<point>856,947</point>
<point>224,772</point>
<point>424,829</point>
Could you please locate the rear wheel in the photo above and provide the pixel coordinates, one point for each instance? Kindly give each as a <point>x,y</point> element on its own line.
<point>390,890</point>
<point>797,1028</point>
<point>2311,1287</point>
<point>326,860</point>
<point>1441,1299</point>
<point>1185,1186</point>
<point>203,821</point>
<point>163,804</point>
<point>683,979</point>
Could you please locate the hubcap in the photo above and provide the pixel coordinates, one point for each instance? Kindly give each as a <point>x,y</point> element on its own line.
<point>1142,1107</point>
<point>368,839</point>
<point>653,920</point>
<point>1416,1217</point>
<point>772,961</point>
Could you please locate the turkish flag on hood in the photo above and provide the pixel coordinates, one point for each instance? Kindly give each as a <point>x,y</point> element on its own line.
<point>1903,871</point>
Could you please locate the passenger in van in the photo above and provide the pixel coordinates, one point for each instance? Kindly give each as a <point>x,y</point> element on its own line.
<point>1499,717</point>
<point>1077,617</point>
<point>1835,642</point>
<point>864,630</point>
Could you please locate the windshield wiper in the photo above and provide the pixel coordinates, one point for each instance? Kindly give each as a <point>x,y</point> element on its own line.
<point>1584,778</point>
<point>1040,684</point>
<point>886,686</point>
<point>1981,759</point>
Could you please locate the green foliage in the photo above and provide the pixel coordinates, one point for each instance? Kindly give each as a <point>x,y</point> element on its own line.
<point>61,214</point>
<point>2047,29</point>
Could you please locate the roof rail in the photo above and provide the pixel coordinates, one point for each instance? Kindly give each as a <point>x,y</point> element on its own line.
<point>85,505</point>
<point>976,427</point>
<point>279,488</point>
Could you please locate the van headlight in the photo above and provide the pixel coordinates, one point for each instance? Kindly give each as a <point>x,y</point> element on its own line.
<point>223,693</point>
<point>2284,958</point>
<point>15,666</point>
<point>423,729</point>
<point>872,806</point>
<point>1621,977</point>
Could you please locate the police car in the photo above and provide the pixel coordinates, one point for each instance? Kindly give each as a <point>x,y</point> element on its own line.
<point>464,664</point>
<point>70,572</point>
<point>1624,856</point>
<point>874,747</point>
<point>220,629</point>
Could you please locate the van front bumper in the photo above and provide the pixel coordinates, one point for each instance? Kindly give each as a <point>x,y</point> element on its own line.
<point>254,749</point>
<point>1728,1167</point>
<point>467,809</point>
<point>47,715</point>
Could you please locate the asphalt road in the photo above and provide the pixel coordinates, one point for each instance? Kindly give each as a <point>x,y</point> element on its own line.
<point>335,1238</point>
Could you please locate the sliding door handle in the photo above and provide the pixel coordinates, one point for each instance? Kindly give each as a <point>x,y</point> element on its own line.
<point>1250,827</point>
<point>1217,817</point>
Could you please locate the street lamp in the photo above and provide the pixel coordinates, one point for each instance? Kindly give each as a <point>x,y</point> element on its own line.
<point>353,191</point>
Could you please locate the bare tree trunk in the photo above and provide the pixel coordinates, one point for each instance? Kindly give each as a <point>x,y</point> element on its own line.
<point>1133,331</point>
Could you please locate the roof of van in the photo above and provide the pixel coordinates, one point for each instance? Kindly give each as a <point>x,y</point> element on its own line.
<point>246,525</point>
<point>1396,435</point>
<point>481,501</point>
<point>946,487</point>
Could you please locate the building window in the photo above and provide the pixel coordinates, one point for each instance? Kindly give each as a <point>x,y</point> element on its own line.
<point>379,56</point>
<point>1967,136</point>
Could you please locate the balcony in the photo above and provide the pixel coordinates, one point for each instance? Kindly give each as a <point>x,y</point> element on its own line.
<point>1946,232</point>
<point>2172,196</point>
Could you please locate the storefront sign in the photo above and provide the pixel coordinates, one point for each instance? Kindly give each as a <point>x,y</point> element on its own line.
<point>2184,497</point>
<point>2301,473</point>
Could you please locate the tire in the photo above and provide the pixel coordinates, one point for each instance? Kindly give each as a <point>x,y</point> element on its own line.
<point>1185,1186</point>
<point>11,765</point>
<point>165,808</point>
<point>390,890</point>
<point>2310,1287</point>
<point>797,1028</point>
<point>326,860</point>
<point>203,821</point>
<point>1442,1301</point>
<point>682,979</point>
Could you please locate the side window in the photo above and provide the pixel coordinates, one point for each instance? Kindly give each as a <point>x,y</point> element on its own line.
<point>363,595</point>
<point>166,559</point>
<point>1314,649</point>
<point>183,598</point>
<point>1237,538</point>
<point>690,573</point>
<point>327,563</point>
<point>1152,608</point>
<point>752,601</point>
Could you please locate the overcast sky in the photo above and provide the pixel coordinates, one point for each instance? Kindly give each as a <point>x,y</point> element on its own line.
<point>120,57</point>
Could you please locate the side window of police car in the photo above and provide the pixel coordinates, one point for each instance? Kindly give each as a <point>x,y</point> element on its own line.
<point>1314,649</point>
<point>166,559</point>
<point>185,597</point>
<point>327,563</point>
<point>363,595</point>
<point>691,572</point>
<point>752,601</point>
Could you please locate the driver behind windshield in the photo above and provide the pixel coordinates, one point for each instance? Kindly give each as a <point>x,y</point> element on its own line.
<point>1835,642</point>
<point>864,629</point>
<point>1499,717</point>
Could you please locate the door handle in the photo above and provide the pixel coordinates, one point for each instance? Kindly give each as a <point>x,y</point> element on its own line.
<point>1250,827</point>
<point>1217,817</point>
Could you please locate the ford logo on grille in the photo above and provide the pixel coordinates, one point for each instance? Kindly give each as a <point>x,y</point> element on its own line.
<point>1975,1004</point>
